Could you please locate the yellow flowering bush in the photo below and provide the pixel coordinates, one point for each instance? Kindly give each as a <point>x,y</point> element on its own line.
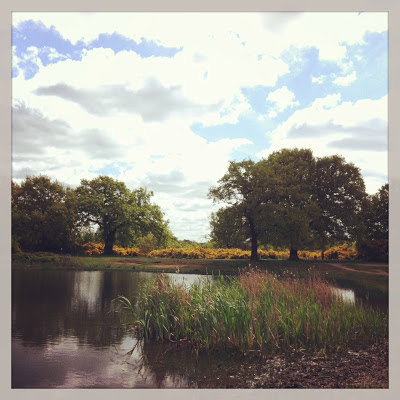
<point>226,254</point>
<point>97,249</point>
<point>342,252</point>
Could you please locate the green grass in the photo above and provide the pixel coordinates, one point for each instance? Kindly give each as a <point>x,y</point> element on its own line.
<point>253,312</point>
<point>46,260</point>
<point>302,268</point>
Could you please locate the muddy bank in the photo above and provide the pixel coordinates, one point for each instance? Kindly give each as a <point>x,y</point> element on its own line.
<point>366,368</point>
<point>375,271</point>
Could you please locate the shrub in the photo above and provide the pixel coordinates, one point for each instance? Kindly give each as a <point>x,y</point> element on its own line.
<point>374,250</point>
<point>147,245</point>
<point>343,252</point>
<point>97,249</point>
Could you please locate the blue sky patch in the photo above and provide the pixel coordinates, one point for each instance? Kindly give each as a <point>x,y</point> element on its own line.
<point>247,128</point>
<point>113,169</point>
<point>52,47</point>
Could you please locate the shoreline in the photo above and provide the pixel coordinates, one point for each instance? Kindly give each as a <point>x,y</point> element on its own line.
<point>366,367</point>
<point>365,276</point>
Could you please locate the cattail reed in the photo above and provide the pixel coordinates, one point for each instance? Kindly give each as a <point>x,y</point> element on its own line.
<point>255,311</point>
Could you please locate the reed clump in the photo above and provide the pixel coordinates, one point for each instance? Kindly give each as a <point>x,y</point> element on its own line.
<point>254,312</point>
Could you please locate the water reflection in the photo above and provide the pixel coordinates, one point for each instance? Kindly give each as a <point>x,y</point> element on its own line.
<point>65,333</point>
<point>87,289</point>
<point>188,280</point>
<point>346,295</point>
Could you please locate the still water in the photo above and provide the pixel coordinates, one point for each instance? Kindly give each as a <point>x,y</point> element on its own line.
<point>66,334</point>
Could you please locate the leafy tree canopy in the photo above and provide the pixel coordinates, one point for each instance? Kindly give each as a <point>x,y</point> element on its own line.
<point>244,188</point>
<point>43,215</point>
<point>377,214</point>
<point>121,214</point>
<point>291,199</point>
<point>339,191</point>
<point>229,229</point>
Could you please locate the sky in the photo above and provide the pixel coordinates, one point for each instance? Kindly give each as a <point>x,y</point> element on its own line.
<point>165,100</point>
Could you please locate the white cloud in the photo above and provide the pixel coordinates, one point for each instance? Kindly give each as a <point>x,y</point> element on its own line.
<point>346,80</point>
<point>327,102</point>
<point>53,54</point>
<point>283,98</point>
<point>218,92</point>
<point>318,79</point>
<point>272,114</point>
<point>328,32</point>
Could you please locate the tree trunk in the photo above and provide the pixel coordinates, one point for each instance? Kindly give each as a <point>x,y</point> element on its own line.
<point>254,243</point>
<point>293,255</point>
<point>109,243</point>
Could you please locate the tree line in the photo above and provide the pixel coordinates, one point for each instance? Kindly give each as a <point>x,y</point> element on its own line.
<point>289,200</point>
<point>297,201</point>
<point>47,216</point>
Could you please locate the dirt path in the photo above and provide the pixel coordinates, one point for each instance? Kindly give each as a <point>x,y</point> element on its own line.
<point>158,265</point>
<point>176,267</point>
<point>125,263</point>
<point>375,272</point>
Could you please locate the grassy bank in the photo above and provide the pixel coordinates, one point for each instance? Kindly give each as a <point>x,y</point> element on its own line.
<point>359,277</point>
<point>254,312</point>
<point>43,260</point>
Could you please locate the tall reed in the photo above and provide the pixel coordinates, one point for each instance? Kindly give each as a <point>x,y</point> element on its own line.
<point>256,312</point>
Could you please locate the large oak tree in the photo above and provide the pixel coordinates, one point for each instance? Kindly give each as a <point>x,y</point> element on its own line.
<point>119,212</point>
<point>244,188</point>
<point>293,199</point>
<point>287,216</point>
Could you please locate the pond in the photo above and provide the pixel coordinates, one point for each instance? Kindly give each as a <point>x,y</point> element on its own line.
<point>65,334</point>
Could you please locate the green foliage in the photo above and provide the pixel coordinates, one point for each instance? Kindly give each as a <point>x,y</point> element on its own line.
<point>123,216</point>
<point>245,189</point>
<point>374,250</point>
<point>376,214</point>
<point>147,244</point>
<point>229,229</point>
<point>290,199</point>
<point>107,203</point>
<point>291,207</point>
<point>174,242</point>
<point>44,215</point>
<point>373,243</point>
<point>88,234</point>
<point>339,191</point>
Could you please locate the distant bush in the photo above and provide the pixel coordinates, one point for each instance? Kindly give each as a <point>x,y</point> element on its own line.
<point>374,250</point>
<point>343,252</point>
<point>97,249</point>
<point>239,254</point>
<point>147,244</point>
